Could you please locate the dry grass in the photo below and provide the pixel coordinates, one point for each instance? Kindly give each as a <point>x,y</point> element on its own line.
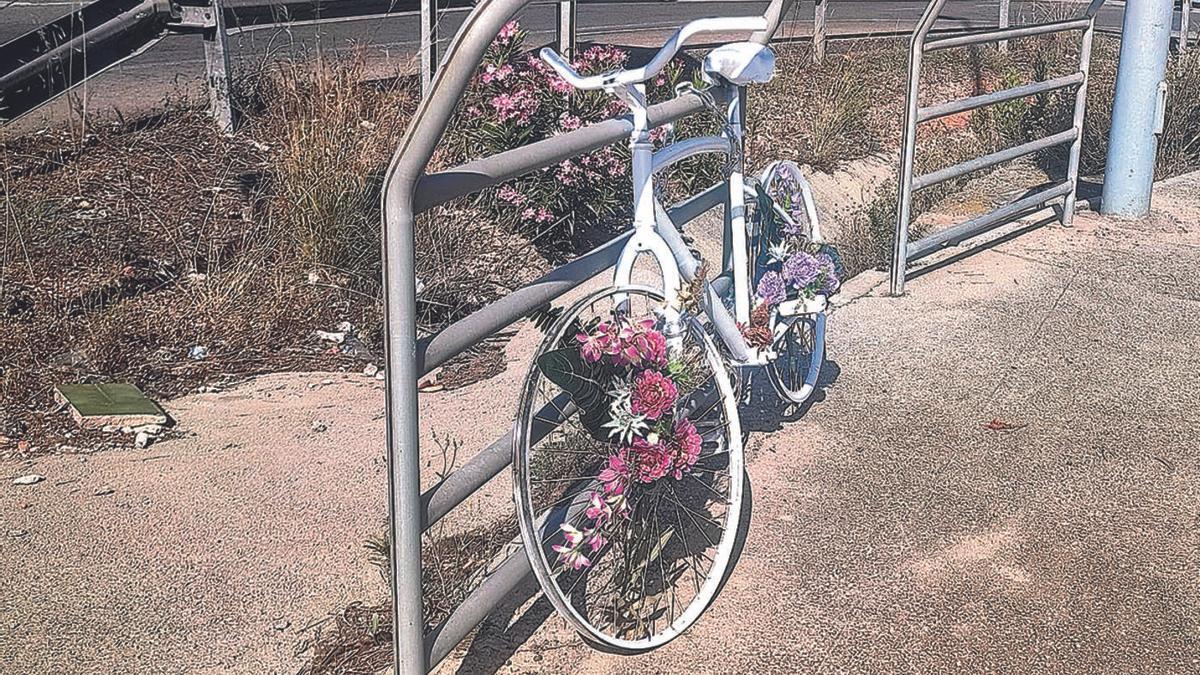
<point>124,248</point>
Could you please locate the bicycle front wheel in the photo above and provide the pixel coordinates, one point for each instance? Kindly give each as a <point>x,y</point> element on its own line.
<point>628,470</point>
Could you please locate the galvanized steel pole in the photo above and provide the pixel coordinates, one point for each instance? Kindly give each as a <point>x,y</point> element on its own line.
<point>1137,108</point>
<point>908,151</point>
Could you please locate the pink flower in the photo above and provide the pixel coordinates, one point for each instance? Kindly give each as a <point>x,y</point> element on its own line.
<point>648,461</point>
<point>508,31</point>
<point>685,444</point>
<point>615,476</point>
<point>493,73</point>
<point>596,541</point>
<point>650,346</point>
<point>569,553</point>
<point>511,195</point>
<point>598,510</point>
<point>519,106</point>
<point>569,122</point>
<point>653,394</point>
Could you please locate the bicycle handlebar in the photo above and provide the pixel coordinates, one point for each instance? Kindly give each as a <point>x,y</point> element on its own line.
<point>661,59</point>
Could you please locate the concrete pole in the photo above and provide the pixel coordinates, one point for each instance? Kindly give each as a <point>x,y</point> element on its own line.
<point>1002,24</point>
<point>1137,108</point>
<point>819,9</point>
<point>429,43</point>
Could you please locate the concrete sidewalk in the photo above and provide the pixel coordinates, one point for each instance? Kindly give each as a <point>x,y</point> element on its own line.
<point>891,531</point>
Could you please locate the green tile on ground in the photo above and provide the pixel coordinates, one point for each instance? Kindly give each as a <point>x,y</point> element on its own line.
<point>95,405</point>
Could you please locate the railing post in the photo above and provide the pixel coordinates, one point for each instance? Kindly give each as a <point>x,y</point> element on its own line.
<point>1003,23</point>
<point>429,42</point>
<point>216,67</point>
<point>819,10</point>
<point>1085,64</point>
<point>565,13</point>
<point>1137,108</point>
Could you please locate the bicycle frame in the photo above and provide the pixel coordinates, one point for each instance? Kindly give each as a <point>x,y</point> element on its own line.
<point>654,233</point>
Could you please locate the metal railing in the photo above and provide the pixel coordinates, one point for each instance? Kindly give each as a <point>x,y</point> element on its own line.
<point>905,252</point>
<point>408,190</point>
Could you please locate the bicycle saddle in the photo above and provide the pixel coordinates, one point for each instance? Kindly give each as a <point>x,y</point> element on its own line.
<point>740,63</point>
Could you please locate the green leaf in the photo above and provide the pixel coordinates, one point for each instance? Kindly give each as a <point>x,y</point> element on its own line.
<point>587,383</point>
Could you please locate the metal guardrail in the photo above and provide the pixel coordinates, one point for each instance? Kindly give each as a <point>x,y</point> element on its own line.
<point>409,191</point>
<point>905,252</point>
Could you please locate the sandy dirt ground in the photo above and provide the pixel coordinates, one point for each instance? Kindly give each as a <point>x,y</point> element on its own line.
<point>891,531</point>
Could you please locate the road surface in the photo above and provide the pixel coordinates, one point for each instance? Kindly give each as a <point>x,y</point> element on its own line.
<point>177,63</point>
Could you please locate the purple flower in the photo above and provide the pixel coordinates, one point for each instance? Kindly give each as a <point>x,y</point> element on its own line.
<point>801,270</point>
<point>829,277</point>
<point>771,288</point>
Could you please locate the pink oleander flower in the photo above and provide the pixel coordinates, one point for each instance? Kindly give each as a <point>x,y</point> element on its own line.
<point>686,444</point>
<point>492,73</point>
<point>598,510</point>
<point>648,461</point>
<point>520,105</point>
<point>569,122</point>
<point>653,394</point>
<point>512,195</point>
<point>615,476</point>
<point>508,31</point>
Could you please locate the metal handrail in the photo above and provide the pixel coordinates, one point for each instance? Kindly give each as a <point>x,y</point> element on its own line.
<point>905,252</point>
<point>408,191</point>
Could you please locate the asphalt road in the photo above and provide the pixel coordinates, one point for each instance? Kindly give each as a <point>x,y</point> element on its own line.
<point>175,65</point>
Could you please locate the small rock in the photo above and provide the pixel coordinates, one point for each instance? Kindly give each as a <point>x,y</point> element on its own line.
<point>283,624</point>
<point>370,370</point>
<point>152,429</point>
<point>208,389</point>
<point>104,491</point>
<point>314,277</point>
<point>344,327</point>
<point>327,336</point>
<point>17,534</point>
<point>197,352</point>
<point>380,376</point>
<point>110,428</point>
<point>327,381</point>
<point>31,479</point>
<point>319,426</point>
<point>84,204</point>
<point>142,440</point>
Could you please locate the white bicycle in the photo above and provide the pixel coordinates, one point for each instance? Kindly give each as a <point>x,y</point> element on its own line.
<point>627,454</point>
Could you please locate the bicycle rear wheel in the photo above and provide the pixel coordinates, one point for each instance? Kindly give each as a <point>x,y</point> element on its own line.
<point>801,351</point>
<point>628,470</point>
